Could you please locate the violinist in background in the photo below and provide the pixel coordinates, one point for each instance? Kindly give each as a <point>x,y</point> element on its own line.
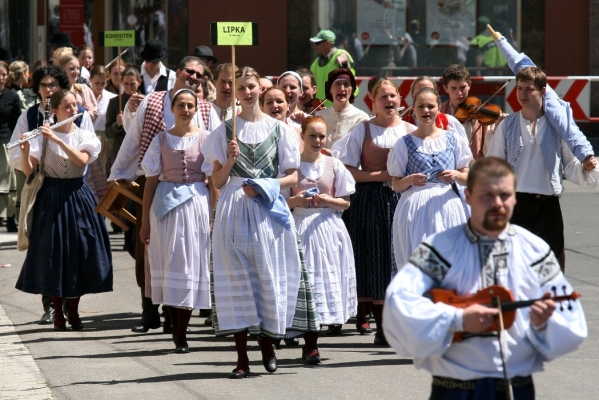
<point>456,82</point>
<point>306,101</point>
<point>485,251</point>
<point>443,121</point>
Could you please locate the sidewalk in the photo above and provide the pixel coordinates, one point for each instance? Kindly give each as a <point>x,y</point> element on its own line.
<point>21,378</point>
<point>7,239</point>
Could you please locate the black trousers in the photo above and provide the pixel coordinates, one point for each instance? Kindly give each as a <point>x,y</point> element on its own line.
<point>542,215</point>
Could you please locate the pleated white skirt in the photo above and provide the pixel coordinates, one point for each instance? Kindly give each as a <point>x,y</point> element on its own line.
<point>329,258</point>
<point>179,253</point>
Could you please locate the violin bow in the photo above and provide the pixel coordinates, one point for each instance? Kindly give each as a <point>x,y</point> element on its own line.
<point>406,111</point>
<point>316,108</point>
<point>488,100</point>
<point>508,383</point>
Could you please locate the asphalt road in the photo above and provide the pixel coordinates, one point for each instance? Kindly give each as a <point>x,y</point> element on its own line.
<point>108,361</point>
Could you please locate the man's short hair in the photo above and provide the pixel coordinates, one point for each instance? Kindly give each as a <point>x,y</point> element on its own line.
<point>186,60</point>
<point>224,67</point>
<point>306,72</point>
<point>534,74</point>
<point>491,167</point>
<point>456,72</point>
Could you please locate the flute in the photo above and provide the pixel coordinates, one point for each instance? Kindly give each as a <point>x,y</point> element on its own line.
<point>36,132</point>
<point>47,112</point>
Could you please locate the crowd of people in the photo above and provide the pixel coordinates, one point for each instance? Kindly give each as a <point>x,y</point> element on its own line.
<point>276,217</point>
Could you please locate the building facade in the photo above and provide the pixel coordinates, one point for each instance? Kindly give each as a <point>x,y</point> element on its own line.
<point>386,37</point>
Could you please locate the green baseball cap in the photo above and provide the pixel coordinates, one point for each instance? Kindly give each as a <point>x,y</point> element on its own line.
<point>323,35</point>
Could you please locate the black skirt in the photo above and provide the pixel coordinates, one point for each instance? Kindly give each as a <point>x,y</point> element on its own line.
<point>369,221</point>
<point>69,249</point>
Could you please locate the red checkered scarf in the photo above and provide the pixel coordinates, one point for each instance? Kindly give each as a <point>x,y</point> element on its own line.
<point>154,120</point>
<point>204,109</point>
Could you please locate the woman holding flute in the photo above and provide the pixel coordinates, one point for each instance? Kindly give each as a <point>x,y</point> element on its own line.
<point>69,253</point>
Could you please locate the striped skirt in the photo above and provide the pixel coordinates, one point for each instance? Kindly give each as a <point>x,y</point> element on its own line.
<point>369,222</point>
<point>258,277</point>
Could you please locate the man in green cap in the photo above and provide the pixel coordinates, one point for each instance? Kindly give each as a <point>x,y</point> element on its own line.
<point>329,59</point>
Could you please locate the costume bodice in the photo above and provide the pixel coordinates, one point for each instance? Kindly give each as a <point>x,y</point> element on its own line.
<point>418,161</point>
<point>373,158</point>
<point>259,160</point>
<point>56,166</point>
<point>181,166</point>
<point>325,182</point>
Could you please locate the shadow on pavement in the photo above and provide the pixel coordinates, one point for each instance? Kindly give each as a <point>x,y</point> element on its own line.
<point>179,377</point>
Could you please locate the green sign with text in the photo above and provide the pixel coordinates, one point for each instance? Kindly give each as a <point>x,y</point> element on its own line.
<point>117,39</point>
<point>234,33</point>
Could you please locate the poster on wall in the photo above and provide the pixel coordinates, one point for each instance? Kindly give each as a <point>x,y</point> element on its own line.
<point>450,21</point>
<point>381,21</point>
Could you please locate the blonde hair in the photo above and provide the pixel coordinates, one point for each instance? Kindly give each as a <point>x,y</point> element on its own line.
<point>420,79</point>
<point>247,71</point>
<point>16,69</point>
<point>225,67</point>
<point>64,60</point>
<point>380,83</point>
<point>61,52</point>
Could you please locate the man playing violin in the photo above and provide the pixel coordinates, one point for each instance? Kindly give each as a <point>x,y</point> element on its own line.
<point>443,121</point>
<point>485,251</point>
<point>457,82</point>
<point>307,101</point>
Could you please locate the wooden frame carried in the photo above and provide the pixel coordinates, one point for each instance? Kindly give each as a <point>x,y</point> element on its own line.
<point>115,199</point>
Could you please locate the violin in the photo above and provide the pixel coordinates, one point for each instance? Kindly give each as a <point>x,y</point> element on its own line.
<point>473,108</point>
<point>491,297</point>
<point>315,105</point>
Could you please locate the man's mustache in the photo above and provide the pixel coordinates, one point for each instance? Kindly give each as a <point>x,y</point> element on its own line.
<point>500,210</point>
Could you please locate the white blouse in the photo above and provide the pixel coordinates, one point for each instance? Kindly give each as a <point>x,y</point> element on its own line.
<point>215,147</point>
<point>339,124</point>
<point>398,157</point>
<point>349,151</point>
<point>100,122</point>
<point>152,162</point>
<point>89,143</point>
<point>344,181</point>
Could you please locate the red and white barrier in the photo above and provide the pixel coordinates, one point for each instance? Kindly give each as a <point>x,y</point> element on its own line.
<point>575,90</point>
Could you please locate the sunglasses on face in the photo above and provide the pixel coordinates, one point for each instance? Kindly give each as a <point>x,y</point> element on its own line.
<point>191,72</point>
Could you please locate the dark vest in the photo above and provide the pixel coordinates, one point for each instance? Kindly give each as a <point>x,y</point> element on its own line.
<point>161,85</point>
<point>35,119</point>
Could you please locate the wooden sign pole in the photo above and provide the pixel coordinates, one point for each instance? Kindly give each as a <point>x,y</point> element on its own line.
<point>118,66</point>
<point>233,97</point>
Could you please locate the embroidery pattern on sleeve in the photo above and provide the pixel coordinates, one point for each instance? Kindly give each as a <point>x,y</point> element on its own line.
<point>430,262</point>
<point>546,268</point>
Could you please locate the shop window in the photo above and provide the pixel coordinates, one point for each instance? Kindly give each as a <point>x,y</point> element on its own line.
<point>147,18</point>
<point>414,37</point>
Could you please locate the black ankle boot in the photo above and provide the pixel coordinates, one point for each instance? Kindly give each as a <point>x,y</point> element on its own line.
<point>11,224</point>
<point>150,319</point>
